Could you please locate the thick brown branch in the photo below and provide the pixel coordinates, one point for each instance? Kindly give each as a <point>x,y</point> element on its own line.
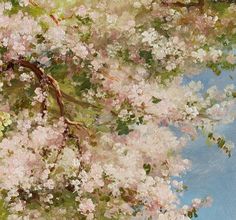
<point>45,79</point>
<point>199,4</point>
<point>39,74</point>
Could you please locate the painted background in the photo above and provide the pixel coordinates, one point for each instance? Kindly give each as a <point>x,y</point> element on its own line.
<point>213,173</point>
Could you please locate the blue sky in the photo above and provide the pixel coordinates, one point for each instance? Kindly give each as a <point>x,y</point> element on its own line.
<point>213,173</point>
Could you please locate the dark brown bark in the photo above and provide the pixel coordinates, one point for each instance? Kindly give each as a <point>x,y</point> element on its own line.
<point>199,4</point>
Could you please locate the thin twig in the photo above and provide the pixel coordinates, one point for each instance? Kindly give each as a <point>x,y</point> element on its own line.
<point>54,19</point>
<point>78,125</point>
<point>51,15</point>
<point>53,83</point>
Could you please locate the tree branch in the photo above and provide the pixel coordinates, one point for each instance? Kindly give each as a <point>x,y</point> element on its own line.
<point>199,4</point>
<point>45,79</point>
<point>39,74</point>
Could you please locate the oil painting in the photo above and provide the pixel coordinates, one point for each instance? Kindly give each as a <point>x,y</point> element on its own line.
<point>117,109</point>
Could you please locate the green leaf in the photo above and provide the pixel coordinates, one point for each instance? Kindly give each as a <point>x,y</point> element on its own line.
<point>157,24</point>
<point>192,213</point>
<point>227,66</point>
<point>85,37</point>
<point>35,11</point>
<point>83,82</point>
<point>105,198</point>
<point>122,128</point>
<point>84,20</point>
<point>215,68</point>
<point>155,100</point>
<point>3,50</point>
<point>218,6</point>
<point>147,167</point>
<point>185,187</point>
<point>3,211</point>
<point>124,55</point>
<point>15,7</point>
<point>40,38</point>
<point>15,3</point>
<point>58,71</point>
<point>234,94</point>
<point>147,56</point>
<point>210,135</point>
<point>140,120</point>
<point>221,142</point>
<point>86,116</point>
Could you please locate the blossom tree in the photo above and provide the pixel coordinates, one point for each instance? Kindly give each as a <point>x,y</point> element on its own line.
<point>94,112</point>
